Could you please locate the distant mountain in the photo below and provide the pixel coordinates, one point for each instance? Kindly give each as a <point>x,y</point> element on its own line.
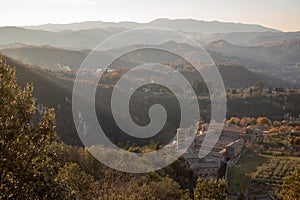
<point>287,45</point>
<point>47,57</point>
<point>232,70</point>
<point>88,39</point>
<point>207,27</point>
<point>10,35</point>
<point>12,45</point>
<point>248,39</point>
<point>52,58</point>
<point>275,64</point>
<point>77,26</point>
<point>67,39</point>
<point>237,76</point>
<point>275,52</point>
<point>277,59</point>
<point>185,25</point>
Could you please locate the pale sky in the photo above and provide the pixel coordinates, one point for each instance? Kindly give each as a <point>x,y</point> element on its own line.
<point>279,14</point>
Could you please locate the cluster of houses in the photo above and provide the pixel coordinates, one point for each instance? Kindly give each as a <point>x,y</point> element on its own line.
<point>229,147</point>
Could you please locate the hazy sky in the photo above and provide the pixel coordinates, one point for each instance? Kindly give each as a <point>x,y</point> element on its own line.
<point>280,14</point>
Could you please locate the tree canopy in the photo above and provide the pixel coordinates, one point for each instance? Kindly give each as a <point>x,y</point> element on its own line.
<point>29,154</point>
<point>214,189</point>
<point>291,184</point>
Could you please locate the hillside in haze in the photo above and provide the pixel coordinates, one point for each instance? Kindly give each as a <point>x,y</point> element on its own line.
<point>58,59</point>
<point>68,39</point>
<point>275,52</point>
<point>277,59</point>
<point>256,62</point>
<point>186,25</point>
<point>247,38</point>
<point>55,90</point>
<point>88,39</point>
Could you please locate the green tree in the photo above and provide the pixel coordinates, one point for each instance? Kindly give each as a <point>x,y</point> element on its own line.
<point>250,90</point>
<point>153,145</point>
<point>28,155</point>
<point>270,90</point>
<point>241,196</point>
<point>264,121</point>
<point>291,184</point>
<point>259,86</point>
<point>233,91</point>
<point>141,188</point>
<point>234,120</point>
<point>196,87</point>
<point>80,184</point>
<point>211,190</point>
<point>199,87</point>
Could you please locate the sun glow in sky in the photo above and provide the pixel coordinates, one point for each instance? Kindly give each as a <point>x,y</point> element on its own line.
<point>279,14</point>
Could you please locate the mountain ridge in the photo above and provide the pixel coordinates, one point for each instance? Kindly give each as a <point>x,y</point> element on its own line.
<point>187,25</point>
<point>88,39</point>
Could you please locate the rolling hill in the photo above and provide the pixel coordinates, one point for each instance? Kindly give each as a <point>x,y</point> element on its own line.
<point>280,60</point>
<point>185,25</point>
<point>247,38</point>
<point>88,39</point>
<point>52,58</point>
<point>255,62</point>
<point>53,91</point>
<point>275,52</point>
<point>83,39</point>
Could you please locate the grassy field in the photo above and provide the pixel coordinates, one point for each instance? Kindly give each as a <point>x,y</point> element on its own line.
<point>239,175</point>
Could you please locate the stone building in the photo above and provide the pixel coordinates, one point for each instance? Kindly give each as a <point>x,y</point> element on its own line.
<point>235,148</point>
<point>230,145</point>
<point>180,138</point>
<point>236,132</point>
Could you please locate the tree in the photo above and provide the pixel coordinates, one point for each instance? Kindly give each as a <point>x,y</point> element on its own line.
<point>283,129</point>
<point>233,91</point>
<point>273,131</point>
<point>277,123</point>
<point>279,90</point>
<point>196,87</point>
<point>247,121</point>
<point>241,196</point>
<point>122,186</point>
<point>250,91</point>
<point>211,190</point>
<point>291,184</point>
<point>81,184</point>
<point>29,155</point>
<point>234,120</point>
<point>200,87</point>
<point>270,90</point>
<point>259,86</point>
<point>153,145</point>
<point>264,121</point>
